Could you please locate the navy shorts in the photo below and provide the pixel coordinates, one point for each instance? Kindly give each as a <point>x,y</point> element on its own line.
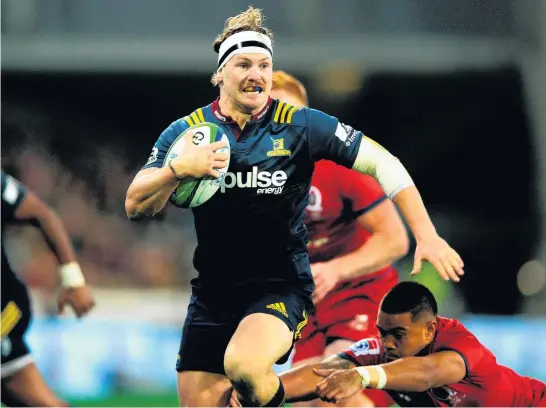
<point>211,322</point>
<point>15,320</point>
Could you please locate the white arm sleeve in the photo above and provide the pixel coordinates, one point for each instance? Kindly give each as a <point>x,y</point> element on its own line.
<point>376,161</point>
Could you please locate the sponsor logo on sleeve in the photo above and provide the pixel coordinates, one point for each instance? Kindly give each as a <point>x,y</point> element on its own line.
<point>365,347</point>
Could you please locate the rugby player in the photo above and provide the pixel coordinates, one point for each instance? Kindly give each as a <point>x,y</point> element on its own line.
<point>253,292</point>
<point>420,358</point>
<point>22,383</point>
<point>355,234</point>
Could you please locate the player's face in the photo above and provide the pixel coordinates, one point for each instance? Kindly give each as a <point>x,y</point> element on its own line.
<point>247,81</point>
<point>401,337</point>
<point>288,97</point>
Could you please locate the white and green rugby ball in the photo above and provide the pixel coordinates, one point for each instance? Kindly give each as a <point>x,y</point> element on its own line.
<point>192,192</point>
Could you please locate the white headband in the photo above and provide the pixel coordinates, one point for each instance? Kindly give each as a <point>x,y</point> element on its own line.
<point>244,42</point>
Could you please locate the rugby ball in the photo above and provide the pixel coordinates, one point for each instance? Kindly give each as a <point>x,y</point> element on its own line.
<point>192,192</point>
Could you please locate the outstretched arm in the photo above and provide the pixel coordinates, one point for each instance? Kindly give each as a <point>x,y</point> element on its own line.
<point>376,161</point>
<point>300,383</point>
<point>411,374</point>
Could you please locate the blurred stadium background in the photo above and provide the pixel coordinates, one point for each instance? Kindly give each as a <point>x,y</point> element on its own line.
<point>455,88</point>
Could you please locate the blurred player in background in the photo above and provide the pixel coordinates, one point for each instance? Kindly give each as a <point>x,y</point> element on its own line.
<point>253,292</point>
<point>22,383</point>
<point>355,234</point>
<point>420,358</point>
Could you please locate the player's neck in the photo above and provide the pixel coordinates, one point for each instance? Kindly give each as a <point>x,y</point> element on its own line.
<point>237,112</point>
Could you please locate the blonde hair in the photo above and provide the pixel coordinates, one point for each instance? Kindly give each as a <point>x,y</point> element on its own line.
<point>287,82</point>
<point>250,20</point>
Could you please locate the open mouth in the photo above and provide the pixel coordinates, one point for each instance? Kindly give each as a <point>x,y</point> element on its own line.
<point>253,90</point>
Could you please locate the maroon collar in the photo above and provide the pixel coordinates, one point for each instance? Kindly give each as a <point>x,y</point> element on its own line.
<point>227,119</point>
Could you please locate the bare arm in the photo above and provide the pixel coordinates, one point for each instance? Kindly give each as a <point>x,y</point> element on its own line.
<point>374,160</point>
<point>300,383</point>
<point>149,192</point>
<point>412,374</point>
<point>151,187</point>
<point>410,202</point>
<point>74,292</point>
<point>387,243</point>
<point>417,374</point>
<point>36,211</point>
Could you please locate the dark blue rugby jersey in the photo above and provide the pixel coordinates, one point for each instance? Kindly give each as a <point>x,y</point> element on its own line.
<point>252,229</point>
<point>13,194</point>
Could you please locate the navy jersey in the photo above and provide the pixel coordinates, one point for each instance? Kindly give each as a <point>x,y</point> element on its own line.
<point>252,229</point>
<point>13,194</point>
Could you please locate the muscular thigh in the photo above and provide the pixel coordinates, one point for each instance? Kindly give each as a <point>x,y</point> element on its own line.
<point>205,336</point>
<point>269,329</point>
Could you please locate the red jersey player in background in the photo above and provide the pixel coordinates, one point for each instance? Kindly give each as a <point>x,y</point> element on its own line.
<point>420,358</point>
<point>355,233</point>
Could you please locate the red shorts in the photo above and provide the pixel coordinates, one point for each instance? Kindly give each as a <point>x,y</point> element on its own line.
<point>348,313</point>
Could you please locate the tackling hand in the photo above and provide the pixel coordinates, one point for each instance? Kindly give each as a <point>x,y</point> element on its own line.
<point>338,384</point>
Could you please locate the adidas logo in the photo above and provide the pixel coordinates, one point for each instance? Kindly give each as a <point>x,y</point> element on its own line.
<point>279,307</point>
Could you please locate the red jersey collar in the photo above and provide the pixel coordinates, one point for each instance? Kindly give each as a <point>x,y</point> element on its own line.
<point>226,119</point>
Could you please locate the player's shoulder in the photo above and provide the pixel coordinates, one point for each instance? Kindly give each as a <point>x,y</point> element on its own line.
<point>193,118</point>
<point>451,331</point>
<point>367,346</point>
<point>283,113</point>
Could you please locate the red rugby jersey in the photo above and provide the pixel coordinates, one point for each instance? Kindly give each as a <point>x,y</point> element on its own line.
<point>486,383</point>
<point>337,198</point>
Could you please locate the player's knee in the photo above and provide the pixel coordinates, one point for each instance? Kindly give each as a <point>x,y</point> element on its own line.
<point>244,371</point>
<point>240,367</point>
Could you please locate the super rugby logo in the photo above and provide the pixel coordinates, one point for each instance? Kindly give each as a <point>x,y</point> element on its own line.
<point>263,181</point>
<point>366,347</point>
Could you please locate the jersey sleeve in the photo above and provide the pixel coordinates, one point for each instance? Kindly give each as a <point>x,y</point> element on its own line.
<point>330,139</point>
<point>363,190</point>
<point>13,194</point>
<point>166,139</point>
<point>465,344</point>
<point>364,352</point>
